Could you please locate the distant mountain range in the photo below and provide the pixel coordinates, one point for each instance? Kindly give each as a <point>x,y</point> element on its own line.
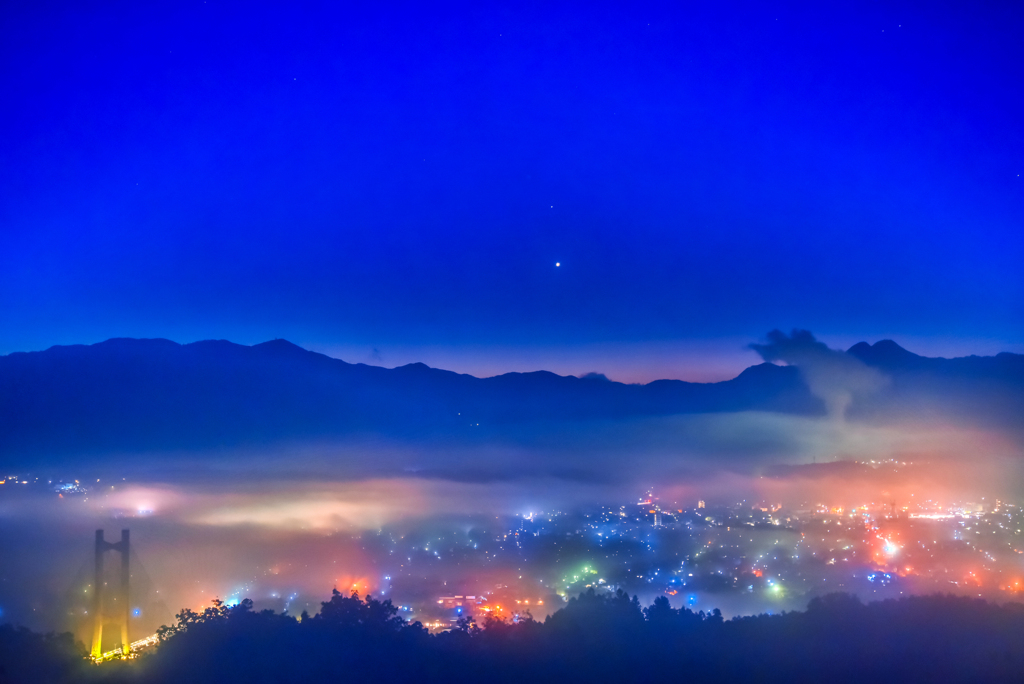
<point>988,390</point>
<point>154,394</point>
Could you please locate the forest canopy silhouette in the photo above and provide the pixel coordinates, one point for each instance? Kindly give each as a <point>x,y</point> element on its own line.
<point>594,637</point>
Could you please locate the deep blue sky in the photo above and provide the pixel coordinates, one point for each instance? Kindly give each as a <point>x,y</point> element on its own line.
<point>405,177</point>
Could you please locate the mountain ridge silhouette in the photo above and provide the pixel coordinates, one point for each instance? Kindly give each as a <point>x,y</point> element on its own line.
<point>156,394</point>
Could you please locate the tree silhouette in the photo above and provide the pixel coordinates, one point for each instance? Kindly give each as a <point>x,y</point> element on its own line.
<point>596,637</point>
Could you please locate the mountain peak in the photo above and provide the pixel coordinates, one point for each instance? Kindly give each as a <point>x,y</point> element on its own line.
<point>890,347</point>
<point>859,349</point>
<point>416,367</point>
<point>881,353</point>
<point>278,345</point>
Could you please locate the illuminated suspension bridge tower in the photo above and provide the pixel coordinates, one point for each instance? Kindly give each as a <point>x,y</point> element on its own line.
<point>120,599</point>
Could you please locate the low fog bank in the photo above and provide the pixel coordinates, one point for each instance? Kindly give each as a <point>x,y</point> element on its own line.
<point>631,452</point>
<point>285,540</point>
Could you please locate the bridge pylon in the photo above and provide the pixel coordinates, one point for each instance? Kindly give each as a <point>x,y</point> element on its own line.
<point>100,614</point>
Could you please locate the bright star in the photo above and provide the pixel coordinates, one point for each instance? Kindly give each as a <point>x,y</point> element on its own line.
<point>558,263</point>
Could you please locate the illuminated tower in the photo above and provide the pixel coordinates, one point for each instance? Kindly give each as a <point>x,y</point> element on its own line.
<point>122,596</point>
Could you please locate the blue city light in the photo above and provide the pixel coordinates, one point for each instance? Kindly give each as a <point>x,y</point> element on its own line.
<point>882,578</point>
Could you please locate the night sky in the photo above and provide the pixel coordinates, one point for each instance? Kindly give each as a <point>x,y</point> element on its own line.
<point>392,183</point>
